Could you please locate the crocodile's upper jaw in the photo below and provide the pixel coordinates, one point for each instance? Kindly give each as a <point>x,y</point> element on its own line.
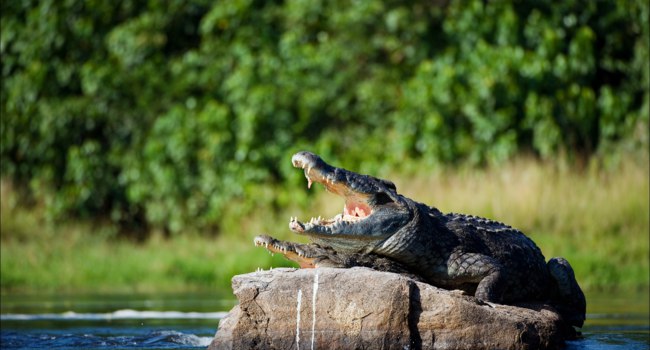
<point>371,212</point>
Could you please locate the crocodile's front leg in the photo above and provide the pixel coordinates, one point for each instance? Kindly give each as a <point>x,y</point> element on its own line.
<point>306,255</point>
<point>481,269</point>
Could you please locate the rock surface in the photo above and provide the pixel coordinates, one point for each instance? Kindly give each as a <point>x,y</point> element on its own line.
<point>359,308</point>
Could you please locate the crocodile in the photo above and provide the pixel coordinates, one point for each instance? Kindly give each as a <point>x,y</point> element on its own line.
<point>382,229</point>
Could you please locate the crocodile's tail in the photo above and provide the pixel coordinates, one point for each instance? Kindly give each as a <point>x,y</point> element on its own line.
<point>571,304</point>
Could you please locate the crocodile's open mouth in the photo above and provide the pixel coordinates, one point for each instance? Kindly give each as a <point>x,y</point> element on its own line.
<point>372,211</point>
<point>356,208</point>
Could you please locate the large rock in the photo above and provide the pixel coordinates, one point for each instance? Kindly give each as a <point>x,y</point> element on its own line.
<point>360,308</point>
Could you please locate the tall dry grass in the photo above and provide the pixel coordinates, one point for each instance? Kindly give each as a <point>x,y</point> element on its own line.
<point>598,218</point>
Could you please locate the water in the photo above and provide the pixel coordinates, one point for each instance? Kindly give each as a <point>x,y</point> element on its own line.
<point>185,321</point>
<point>189,321</point>
<point>615,321</point>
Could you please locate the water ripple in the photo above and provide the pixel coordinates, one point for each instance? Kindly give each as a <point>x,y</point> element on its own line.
<point>161,339</point>
<point>116,315</point>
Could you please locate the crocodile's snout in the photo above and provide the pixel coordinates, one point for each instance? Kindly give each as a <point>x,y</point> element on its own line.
<point>310,161</point>
<point>307,160</point>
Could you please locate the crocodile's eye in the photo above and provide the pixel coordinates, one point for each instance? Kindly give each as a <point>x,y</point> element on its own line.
<point>381,198</point>
<point>389,184</point>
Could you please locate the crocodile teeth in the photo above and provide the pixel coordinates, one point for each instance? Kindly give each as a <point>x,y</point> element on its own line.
<point>309,182</point>
<point>316,221</point>
<point>259,243</point>
<point>307,171</point>
<point>301,253</point>
<point>296,225</point>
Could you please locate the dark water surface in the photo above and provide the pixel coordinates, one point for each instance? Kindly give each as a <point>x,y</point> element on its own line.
<point>615,321</point>
<point>188,321</point>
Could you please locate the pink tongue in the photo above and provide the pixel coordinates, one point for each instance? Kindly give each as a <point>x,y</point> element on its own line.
<point>353,210</point>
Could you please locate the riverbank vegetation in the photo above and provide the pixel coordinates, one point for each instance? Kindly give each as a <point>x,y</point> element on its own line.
<point>596,217</point>
<point>144,144</point>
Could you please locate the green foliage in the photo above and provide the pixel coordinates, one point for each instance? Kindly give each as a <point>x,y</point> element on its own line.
<point>174,114</point>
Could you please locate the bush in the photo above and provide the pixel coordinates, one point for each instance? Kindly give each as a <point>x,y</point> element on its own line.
<point>174,114</point>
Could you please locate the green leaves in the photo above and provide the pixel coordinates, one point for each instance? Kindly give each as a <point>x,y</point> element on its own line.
<point>171,114</point>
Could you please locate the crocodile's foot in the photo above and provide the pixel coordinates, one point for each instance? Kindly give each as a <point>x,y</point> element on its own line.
<point>302,254</point>
<point>572,303</point>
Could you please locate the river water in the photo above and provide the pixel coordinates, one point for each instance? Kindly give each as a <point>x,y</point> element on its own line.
<point>189,321</point>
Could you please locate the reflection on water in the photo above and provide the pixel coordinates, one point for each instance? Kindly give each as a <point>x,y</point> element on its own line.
<point>116,315</point>
<point>185,321</point>
<point>615,321</point>
<point>188,321</point>
<point>97,303</point>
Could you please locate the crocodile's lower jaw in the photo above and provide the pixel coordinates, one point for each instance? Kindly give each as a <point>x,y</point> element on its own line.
<point>274,246</point>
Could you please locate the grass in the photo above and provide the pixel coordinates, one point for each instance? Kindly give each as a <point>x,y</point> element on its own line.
<point>598,218</point>
<point>79,257</point>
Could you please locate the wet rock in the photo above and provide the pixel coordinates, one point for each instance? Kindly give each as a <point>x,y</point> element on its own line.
<point>359,308</point>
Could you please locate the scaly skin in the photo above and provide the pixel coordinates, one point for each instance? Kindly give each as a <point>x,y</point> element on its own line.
<point>382,229</point>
